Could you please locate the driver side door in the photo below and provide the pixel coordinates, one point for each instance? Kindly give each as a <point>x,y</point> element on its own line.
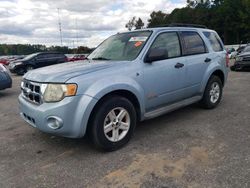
<point>164,79</point>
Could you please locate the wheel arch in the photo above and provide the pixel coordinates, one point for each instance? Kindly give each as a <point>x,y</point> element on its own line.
<point>118,92</point>
<point>220,74</point>
<point>217,72</point>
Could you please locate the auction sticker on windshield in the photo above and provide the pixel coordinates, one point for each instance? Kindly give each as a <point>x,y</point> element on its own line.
<point>135,39</point>
<point>138,43</point>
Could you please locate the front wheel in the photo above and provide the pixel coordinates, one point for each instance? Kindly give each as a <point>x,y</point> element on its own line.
<point>213,93</point>
<point>20,71</point>
<point>113,123</point>
<point>29,68</point>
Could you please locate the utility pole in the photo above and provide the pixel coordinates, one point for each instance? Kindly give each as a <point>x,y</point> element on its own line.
<point>76,33</point>
<point>60,26</point>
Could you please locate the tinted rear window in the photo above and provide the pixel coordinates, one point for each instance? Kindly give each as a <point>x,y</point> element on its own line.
<point>193,44</point>
<point>214,41</point>
<point>57,56</point>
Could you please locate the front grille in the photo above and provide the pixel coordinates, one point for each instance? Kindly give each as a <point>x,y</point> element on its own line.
<point>32,91</point>
<point>246,58</point>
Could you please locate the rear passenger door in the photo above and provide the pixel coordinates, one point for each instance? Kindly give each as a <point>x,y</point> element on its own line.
<point>41,60</point>
<point>197,60</point>
<point>52,59</point>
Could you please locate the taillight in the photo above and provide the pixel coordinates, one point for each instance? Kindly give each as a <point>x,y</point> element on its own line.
<point>227,60</point>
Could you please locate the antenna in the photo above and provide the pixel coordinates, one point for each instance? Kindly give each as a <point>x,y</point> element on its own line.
<point>60,25</point>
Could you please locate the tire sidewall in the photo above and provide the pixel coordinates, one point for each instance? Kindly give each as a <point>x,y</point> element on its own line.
<point>20,71</point>
<point>98,134</point>
<point>27,68</point>
<point>207,98</point>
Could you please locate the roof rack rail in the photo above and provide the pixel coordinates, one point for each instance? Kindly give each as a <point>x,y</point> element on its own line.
<point>186,25</point>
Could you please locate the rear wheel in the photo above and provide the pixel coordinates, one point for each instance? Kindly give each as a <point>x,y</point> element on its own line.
<point>113,123</point>
<point>213,93</point>
<point>232,68</point>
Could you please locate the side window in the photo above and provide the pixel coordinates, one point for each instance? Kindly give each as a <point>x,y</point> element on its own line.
<point>193,43</point>
<point>49,56</point>
<point>54,56</point>
<point>214,41</point>
<point>170,42</point>
<point>41,57</point>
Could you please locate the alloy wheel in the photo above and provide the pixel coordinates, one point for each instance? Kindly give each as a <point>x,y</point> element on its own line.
<point>116,124</point>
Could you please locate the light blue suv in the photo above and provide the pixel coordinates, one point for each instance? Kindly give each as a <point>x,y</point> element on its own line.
<point>130,77</point>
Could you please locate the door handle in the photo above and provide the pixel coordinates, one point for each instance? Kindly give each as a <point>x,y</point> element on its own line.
<point>207,60</point>
<point>179,65</point>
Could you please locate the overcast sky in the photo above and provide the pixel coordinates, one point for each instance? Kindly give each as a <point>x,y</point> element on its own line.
<point>36,21</point>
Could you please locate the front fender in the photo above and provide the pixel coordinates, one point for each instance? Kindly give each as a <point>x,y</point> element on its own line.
<point>104,86</point>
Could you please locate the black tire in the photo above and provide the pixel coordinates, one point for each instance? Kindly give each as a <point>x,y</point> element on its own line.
<point>20,71</point>
<point>96,129</point>
<point>232,68</point>
<point>29,68</point>
<point>207,100</point>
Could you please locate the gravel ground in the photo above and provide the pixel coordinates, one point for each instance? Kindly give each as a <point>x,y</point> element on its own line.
<point>190,147</point>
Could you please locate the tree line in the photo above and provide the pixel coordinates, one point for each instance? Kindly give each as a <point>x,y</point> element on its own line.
<point>230,18</point>
<point>25,49</point>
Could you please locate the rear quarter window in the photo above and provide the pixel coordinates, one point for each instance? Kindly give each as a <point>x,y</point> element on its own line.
<point>192,43</point>
<point>214,41</point>
<point>57,56</point>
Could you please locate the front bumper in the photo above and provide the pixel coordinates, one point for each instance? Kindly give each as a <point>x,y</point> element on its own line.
<point>13,68</point>
<point>5,80</point>
<point>242,64</point>
<point>73,111</point>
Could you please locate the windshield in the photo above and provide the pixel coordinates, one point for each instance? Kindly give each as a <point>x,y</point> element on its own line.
<point>121,47</point>
<point>30,56</point>
<point>246,49</point>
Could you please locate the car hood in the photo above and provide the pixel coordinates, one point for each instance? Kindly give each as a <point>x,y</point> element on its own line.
<point>62,72</point>
<point>243,54</point>
<point>15,61</point>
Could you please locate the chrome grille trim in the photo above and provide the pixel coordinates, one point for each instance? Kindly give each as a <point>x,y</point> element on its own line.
<point>246,58</point>
<point>31,91</point>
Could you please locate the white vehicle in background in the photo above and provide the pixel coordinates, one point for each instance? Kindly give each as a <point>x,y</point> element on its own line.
<point>231,53</point>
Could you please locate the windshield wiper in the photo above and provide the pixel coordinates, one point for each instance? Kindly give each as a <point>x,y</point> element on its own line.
<point>100,58</point>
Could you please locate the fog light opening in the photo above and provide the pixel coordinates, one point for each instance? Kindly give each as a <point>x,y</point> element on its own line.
<point>54,122</point>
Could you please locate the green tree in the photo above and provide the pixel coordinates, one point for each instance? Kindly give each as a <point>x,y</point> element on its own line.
<point>131,24</point>
<point>158,18</point>
<point>25,49</point>
<point>139,24</point>
<point>230,18</point>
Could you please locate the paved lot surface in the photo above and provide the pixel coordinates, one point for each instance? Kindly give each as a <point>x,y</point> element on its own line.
<point>190,147</point>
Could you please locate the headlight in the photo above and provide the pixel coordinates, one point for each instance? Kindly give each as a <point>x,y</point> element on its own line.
<point>18,63</point>
<point>239,58</point>
<point>57,92</point>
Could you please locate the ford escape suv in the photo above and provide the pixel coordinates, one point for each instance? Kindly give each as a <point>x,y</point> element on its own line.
<point>130,77</point>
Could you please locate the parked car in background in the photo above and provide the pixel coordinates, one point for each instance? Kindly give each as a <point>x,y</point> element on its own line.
<point>4,61</point>
<point>131,77</point>
<point>5,79</point>
<point>231,53</point>
<point>77,57</point>
<point>36,60</point>
<point>242,60</point>
<point>7,59</point>
<point>240,49</point>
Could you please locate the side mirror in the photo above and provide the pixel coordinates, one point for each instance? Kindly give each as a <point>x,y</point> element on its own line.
<point>156,54</point>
